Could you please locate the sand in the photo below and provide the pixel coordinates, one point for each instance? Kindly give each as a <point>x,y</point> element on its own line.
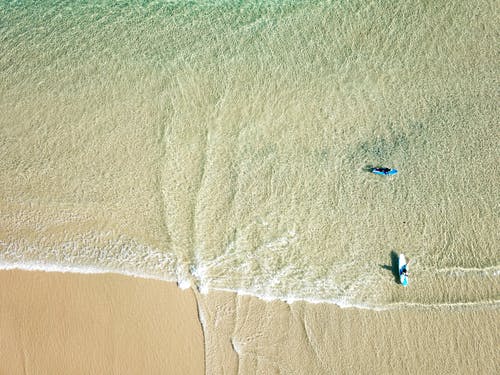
<point>228,146</point>
<point>249,336</point>
<point>105,323</point>
<point>63,323</point>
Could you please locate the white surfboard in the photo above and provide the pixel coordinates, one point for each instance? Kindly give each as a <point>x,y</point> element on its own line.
<point>402,264</point>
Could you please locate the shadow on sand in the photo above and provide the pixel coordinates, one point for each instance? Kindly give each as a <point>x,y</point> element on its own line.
<point>394,266</point>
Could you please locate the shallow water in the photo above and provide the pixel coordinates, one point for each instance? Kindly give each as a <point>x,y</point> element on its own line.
<point>227,146</point>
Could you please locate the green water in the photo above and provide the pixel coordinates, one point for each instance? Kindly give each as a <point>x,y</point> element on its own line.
<point>226,144</point>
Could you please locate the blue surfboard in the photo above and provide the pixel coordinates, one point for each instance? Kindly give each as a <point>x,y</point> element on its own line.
<point>390,172</point>
<point>402,265</point>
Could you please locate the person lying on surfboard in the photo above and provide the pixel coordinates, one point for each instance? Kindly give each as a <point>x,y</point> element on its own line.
<point>381,170</point>
<point>404,271</point>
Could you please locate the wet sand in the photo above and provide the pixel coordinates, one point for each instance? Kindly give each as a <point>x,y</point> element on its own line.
<point>249,336</point>
<point>63,323</point>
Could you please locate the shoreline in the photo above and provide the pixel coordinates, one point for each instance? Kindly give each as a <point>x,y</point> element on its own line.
<point>64,322</point>
<point>184,285</point>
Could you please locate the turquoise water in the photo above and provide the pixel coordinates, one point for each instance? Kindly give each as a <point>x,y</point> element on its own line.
<point>226,145</point>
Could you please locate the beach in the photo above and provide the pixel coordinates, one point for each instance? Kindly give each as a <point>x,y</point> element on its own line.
<point>71,323</point>
<point>226,149</point>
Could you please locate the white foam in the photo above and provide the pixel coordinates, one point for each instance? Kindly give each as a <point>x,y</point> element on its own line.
<point>462,271</point>
<point>47,267</point>
<point>184,284</point>
<point>347,304</point>
<point>159,266</point>
<point>204,289</point>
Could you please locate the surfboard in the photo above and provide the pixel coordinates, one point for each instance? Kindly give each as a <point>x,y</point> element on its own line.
<point>390,173</point>
<point>402,263</point>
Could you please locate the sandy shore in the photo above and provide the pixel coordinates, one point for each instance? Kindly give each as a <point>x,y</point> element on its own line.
<point>71,323</point>
<point>62,323</point>
<point>249,336</point>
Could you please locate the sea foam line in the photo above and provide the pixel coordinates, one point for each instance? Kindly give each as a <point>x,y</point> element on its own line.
<point>343,304</point>
<point>490,271</point>
<point>48,267</point>
<point>186,278</point>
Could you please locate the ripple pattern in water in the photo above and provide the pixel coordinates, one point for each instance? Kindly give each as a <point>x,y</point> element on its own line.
<point>228,144</point>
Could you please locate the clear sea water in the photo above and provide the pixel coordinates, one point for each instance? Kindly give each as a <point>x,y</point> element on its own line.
<point>227,145</point>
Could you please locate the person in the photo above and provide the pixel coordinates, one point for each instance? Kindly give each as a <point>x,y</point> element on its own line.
<point>382,170</point>
<point>404,271</point>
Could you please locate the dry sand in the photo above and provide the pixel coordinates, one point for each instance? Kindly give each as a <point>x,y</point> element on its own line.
<point>62,323</point>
